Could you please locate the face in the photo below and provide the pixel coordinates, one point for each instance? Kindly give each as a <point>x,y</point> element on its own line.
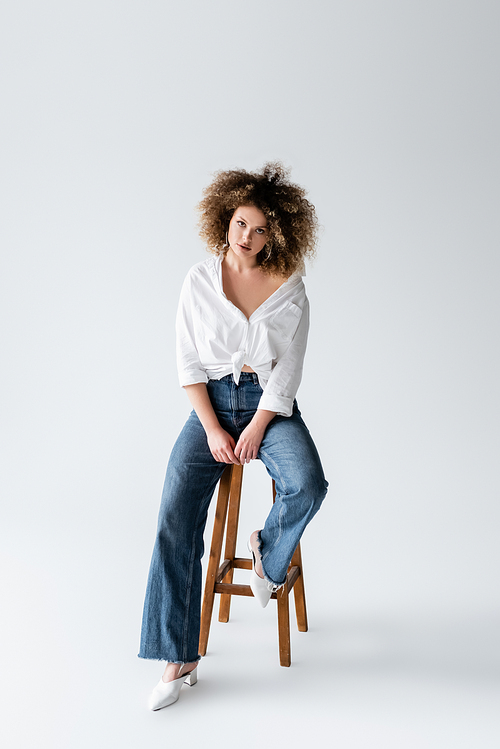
<point>248,231</point>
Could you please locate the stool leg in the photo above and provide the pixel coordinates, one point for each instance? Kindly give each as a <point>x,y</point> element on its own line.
<point>284,625</point>
<point>283,616</point>
<point>214,558</point>
<point>231,534</point>
<point>299,593</point>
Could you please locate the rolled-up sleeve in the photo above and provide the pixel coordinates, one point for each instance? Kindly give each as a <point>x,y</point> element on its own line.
<point>282,386</point>
<point>189,367</point>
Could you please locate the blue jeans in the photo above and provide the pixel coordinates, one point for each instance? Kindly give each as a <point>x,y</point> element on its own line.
<point>171,620</point>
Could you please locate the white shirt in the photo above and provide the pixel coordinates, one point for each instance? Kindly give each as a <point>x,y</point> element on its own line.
<point>215,338</point>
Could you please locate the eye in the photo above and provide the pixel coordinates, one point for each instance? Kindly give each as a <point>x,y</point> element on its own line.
<point>260,231</point>
<point>240,222</point>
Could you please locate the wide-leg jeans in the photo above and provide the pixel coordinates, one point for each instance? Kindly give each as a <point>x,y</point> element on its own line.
<point>171,619</point>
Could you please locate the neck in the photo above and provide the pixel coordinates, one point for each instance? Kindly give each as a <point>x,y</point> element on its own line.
<point>239,264</point>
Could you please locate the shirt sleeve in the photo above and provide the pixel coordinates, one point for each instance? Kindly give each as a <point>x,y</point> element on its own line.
<point>282,386</point>
<point>189,367</point>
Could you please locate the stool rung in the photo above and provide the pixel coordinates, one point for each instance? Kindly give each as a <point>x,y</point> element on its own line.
<point>234,589</point>
<point>292,577</point>
<point>238,563</point>
<point>223,570</point>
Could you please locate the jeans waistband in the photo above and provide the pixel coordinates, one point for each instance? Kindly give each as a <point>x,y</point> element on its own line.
<point>244,377</point>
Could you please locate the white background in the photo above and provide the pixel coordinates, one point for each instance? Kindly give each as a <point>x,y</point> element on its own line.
<point>114,117</point>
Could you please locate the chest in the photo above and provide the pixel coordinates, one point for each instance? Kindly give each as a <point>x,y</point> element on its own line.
<point>249,291</point>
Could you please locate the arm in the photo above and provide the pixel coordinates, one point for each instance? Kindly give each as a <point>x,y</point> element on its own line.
<point>279,392</point>
<point>193,379</point>
<point>285,378</point>
<point>189,367</point>
<point>221,443</point>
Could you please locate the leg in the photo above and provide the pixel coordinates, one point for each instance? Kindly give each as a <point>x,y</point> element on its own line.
<point>292,460</point>
<point>299,593</point>
<point>233,514</point>
<point>284,626</point>
<point>215,555</point>
<point>171,619</point>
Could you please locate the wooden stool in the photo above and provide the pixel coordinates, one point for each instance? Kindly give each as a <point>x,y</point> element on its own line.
<point>220,576</point>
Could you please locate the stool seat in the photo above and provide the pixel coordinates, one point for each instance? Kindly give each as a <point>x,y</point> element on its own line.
<point>220,573</point>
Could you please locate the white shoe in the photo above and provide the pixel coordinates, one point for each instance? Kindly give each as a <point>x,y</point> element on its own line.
<point>166,693</point>
<point>261,589</point>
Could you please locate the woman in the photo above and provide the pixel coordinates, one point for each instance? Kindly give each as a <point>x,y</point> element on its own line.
<point>241,335</point>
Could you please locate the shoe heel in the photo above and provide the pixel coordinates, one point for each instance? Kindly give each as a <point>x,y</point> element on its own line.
<point>251,551</point>
<point>192,677</point>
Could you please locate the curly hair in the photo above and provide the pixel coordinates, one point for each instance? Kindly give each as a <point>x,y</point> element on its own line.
<point>291,219</point>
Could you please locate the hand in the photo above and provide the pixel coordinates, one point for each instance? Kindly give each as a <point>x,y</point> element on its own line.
<point>248,444</point>
<point>221,446</point>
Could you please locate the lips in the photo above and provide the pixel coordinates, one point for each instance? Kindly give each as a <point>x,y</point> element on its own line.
<point>244,247</point>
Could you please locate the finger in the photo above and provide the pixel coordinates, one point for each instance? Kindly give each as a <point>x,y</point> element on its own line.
<point>232,457</point>
<point>241,447</point>
<point>245,454</point>
<point>231,451</point>
<point>250,454</point>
